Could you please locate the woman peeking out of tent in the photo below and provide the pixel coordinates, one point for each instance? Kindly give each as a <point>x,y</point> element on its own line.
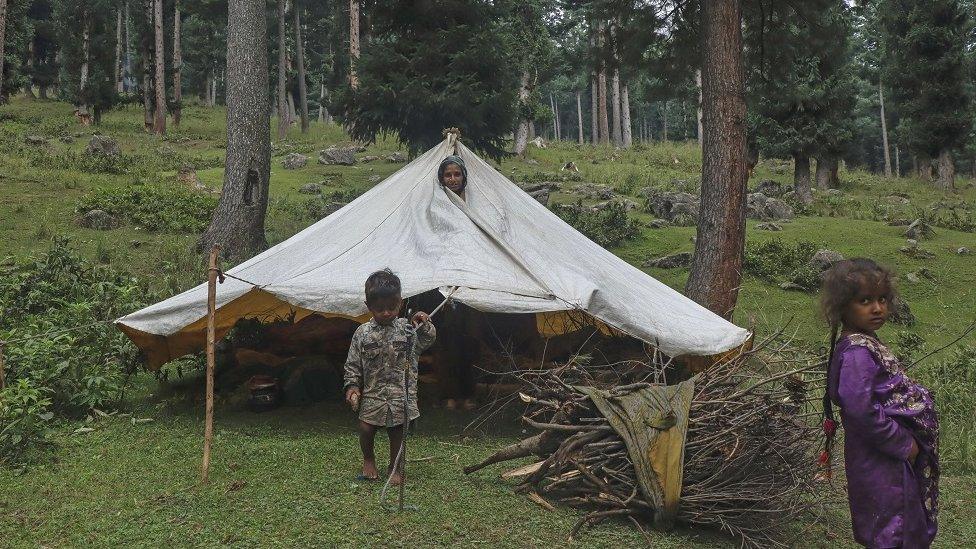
<point>453,175</point>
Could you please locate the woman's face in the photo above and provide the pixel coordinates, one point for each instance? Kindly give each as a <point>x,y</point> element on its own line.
<point>453,178</point>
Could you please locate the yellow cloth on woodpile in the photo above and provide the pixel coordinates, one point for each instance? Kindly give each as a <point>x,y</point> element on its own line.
<point>653,421</point>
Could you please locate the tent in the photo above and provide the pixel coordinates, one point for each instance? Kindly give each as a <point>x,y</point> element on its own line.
<point>498,249</point>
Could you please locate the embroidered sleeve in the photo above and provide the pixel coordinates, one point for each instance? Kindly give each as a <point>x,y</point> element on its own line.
<point>859,375</point>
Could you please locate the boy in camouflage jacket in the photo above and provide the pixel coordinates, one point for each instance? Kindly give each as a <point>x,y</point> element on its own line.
<point>380,352</point>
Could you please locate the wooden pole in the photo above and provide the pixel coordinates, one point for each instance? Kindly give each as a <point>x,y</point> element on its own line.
<point>3,375</point>
<point>211,308</point>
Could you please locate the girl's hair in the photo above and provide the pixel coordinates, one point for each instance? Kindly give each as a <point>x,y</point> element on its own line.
<point>845,279</point>
<point>841,284</point>
<point>382,285</point>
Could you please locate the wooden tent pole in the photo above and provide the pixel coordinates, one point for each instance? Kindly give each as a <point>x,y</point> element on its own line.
<point>211,308</point>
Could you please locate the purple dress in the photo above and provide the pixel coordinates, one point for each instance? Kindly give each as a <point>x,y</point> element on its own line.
<point>893,502</point>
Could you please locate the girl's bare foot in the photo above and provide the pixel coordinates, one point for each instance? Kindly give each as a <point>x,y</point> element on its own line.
<point>369,470</point>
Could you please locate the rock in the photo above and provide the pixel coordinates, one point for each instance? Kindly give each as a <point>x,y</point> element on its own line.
<point>913,278</point>
<point>188,176</point>
<point>963,251</point>
<point>375,178</point>
<point>762,207</point>
<point>66,139</point>
<point>769,187</point>
<point>834,192</point>
<point>913,250</point>
<point>310,188</point>
<point>35,140</point>
<point>99,220</point>
<point>919,230</point>
<point>398,157</point>
<point>571,166</point>
<point>541,195</point>
<point>682,259</point>
<point>135,243</point>
<point>103,145</point>
<point>896,200</point>
<point>659,223</point>
<point>550,186</point>
<point>792,287</point>
<point>824,259</point>
<point>589,190</point>
<point>539,142</point>
<point>677,208</point>
<point>912,243</point>
<point>769,227</point>
<point>344,156</point>
<point>629,204</point>
<point>901,313</point>
<point>925,273</point>
<point>790,196</point>
<point>293,161</point>
<point>901,194</point>
<point>532,161</point>
<point>369,158</point>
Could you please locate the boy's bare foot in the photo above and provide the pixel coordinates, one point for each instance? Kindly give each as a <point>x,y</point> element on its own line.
<point>450,404</point>
<point>369,470</point>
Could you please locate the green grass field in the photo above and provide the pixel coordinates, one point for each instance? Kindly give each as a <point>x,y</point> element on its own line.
<point>285,478</point>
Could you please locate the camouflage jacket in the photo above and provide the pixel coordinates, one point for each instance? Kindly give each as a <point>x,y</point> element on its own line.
<point>378,356</point>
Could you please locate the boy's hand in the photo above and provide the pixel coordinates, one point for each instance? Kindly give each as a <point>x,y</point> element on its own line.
<point>352,398</point>
<point>419,318</point>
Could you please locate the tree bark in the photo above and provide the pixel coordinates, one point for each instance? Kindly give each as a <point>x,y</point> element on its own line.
<point>353,42</point>
<point>177,65</point>
<point>522,132</point>
<point>579,115</point>
<point>925,168</point>
<point>300,63</point>
<point>897,161</point>
<point>118,50</point>
<point>148,61</point>
<point>159,117</point>
<point>801,178</point>
<point>664,129</point>
<point>618,132</point>
<point>555,117</point>
<point>627,130</point>
<point>947,171</point>
<point>281,92</point>
<point>884,130</point>
<point>84,107</point>
<point>716,266</point>
<point>826,175</point>
<point>238,222</point>
<point>602,88</point>
<point>3,30</point>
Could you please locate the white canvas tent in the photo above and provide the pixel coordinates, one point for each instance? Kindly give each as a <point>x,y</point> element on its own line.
<point>503,251</point>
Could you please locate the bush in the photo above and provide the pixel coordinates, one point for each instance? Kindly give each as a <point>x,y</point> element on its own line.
<point>953,384</point>
<point>607,227</point>
<point>55,314</point>
<point>775,260</point>
<point>24,416</point>
<point>154,207</point>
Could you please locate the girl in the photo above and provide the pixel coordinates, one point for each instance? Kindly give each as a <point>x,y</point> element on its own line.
<point>892,431</point>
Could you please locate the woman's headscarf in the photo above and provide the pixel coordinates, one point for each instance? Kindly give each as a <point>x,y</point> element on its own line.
<point>453,159</point>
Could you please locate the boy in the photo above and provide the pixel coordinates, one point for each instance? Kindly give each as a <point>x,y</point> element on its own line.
<point>379,353</point>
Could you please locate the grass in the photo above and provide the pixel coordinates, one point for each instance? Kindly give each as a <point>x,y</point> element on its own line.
<point>285,477</point>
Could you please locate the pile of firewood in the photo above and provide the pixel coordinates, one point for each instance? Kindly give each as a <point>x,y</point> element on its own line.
<point>750,452</point>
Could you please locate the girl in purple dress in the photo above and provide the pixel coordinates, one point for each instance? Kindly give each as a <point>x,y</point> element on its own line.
<point>891,429</point>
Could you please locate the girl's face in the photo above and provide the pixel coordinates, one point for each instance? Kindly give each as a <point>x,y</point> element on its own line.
<point>868,311</point>
<point>453,178</point>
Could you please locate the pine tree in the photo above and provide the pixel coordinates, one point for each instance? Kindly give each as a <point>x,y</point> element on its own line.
<point>86,33</point>
<point>926,68</point>
<point>439,64</point>
<point>16,33</point>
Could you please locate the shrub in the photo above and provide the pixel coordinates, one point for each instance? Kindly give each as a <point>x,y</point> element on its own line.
<point>24,417</point>
<point>775,260</point>
<point>953,384</point>
<point>155,207</point>
<point>607,227</point>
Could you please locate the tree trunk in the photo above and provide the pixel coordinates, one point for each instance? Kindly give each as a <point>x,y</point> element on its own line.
<point>300,63</point>
<point>594,109</point>
<point>177,65</point>
<point>834,182</point>
<point>884,131</point>
<point>627,131</point>
<point>716,267</point>
<point>3,29</point>
<point>947,171</point>
<point>925,168</point>
<point>579,115</point>
<point>84,107</point>
<point>147,69</point>
<point>353,42</point>
<point>159,118</point>
<point>823,173</point>
<point>321,117</point>
<point>665,122</point>
<point>531,130</point>
<point>602,88</point>
<point>897,161</point>
<point>522,132</point>
<point>698,83</point>
<point>618,132</point>
<point>801,178</point>
<point>238,222</point>
<point>555,118</point>
<point>118,50</point>
<point>281,92</point>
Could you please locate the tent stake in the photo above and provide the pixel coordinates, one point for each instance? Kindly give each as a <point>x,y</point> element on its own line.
<point>211,308</point>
